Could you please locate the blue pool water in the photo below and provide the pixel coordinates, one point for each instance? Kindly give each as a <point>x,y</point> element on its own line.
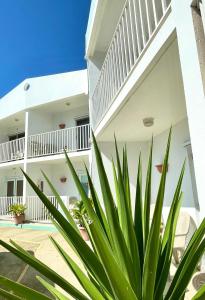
<point>30,226</point>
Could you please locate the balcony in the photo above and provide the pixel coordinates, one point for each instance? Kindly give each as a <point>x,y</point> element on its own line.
<point>54,142</point>
<point>49,143</point>
<point>138,24</point>
<point>13,150</point>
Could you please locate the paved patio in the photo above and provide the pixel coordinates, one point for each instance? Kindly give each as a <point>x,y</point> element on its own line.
<point>37,243</point>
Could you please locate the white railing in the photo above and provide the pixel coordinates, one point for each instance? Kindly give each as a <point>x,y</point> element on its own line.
<point>137,25</point>
<point>36,210</point>
<point>13,150</point>
<point>6,202</point>
<point>54,142</point>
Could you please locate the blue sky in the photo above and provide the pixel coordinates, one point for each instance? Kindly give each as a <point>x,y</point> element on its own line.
<point>40,37</point>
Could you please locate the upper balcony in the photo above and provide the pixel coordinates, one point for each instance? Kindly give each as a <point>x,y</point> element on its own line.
<point>55,142</point>
<point>71,139</point>
<point>46,130</point>
<point>138,24</point>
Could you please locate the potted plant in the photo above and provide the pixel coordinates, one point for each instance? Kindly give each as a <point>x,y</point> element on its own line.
<point>160,168</point>
<point>63,179</point>
<point>18,211</point>
<point>79,214</point>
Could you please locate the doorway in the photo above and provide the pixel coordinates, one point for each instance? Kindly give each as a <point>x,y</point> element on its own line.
<point>82,133</point>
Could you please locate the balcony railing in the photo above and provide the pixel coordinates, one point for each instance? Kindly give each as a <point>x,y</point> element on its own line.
<point>48,143</point>
<point>35,209</point>
<point>54,142</point>
<point>137,25</point>
<point>13,150</point>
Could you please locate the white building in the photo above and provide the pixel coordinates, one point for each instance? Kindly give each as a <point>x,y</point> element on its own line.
<point>146,61</point>
<point>38,119</point>
<point>146,64</point>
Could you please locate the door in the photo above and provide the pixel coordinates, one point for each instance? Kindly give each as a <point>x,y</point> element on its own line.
<point>19,188</point>
<point>10,194</point>
<point>82,133</point>
<point>10,188</point>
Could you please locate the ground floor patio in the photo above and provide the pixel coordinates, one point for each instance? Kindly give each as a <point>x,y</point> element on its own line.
<point>15,189</point>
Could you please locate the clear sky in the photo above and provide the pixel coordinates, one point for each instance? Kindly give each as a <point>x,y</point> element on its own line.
<point>40,37</point>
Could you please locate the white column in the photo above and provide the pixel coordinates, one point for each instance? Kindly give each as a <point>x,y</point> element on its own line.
<point>25,157</point>
<point>193,88</point>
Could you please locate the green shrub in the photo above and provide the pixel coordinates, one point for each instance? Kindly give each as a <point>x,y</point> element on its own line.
<point>79,213</point>
<point>17,209</point>
<point>129,258</point>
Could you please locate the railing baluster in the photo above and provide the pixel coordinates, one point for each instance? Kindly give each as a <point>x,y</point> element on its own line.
<point>142,23</point>
<point>128,38</point>
<point>45,143</point>
<point>139,46</point>
<point>122,53</point>
<point>148,17</point>
<point>132,31</point>
<point>154,12</point>
<point>163,6</point>
<point>124,46</point>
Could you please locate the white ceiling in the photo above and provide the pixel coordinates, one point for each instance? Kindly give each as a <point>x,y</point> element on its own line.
<point>17,120</point>
<point>160,96</point>
<point>60,105</point>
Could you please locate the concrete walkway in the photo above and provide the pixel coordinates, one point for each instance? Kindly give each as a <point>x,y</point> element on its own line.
<point>37,242</point>
<point>39,245</point>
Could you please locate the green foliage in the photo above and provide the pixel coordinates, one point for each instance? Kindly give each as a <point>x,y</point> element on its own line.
<point>17,209</point>
<point>129,258</point>
<point>79,213</point>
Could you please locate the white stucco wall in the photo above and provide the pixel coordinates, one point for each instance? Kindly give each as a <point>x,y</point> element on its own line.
<point>42,90</point>
<point>193,88</point>
<point>54,173</point>
<point>41,121</point>
<point>69,117</point>
<point>108,152</point>
<point>54,87</point>
<point>177,155</point>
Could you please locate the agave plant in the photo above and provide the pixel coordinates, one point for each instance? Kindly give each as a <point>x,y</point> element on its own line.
<point>129,258</point>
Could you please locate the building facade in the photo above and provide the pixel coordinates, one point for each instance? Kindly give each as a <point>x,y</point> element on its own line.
<point>146,73</point>
<point>38,120</point>
<point>146,63</point>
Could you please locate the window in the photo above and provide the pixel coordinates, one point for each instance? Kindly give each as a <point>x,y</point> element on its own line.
<point>15,187</point>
